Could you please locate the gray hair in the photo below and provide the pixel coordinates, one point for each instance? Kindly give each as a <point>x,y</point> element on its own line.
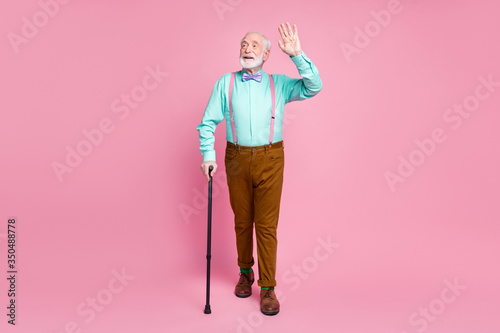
<point>267,42</point>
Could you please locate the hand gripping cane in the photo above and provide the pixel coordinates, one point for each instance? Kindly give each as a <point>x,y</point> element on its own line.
<point>209,239</point>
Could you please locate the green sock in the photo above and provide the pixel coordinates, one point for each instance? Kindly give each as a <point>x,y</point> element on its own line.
<point>261,288</point>
<point>246,270</point>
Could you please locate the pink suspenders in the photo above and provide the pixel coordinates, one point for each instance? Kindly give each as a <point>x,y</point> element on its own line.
<point>231,84</point>
<point>273,97</point>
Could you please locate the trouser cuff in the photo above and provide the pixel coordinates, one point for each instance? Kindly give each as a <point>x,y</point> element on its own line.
<point>245,264</point>
<point>266,283</point>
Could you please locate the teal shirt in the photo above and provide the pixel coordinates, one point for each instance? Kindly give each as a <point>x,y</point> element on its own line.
<point>252,109</point>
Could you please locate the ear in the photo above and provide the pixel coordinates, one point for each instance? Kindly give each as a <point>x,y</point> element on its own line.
<point>266,55</point>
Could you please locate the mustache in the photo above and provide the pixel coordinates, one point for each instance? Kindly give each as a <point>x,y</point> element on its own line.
<point>248,56</point>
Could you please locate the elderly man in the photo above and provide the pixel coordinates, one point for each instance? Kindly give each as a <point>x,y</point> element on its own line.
<point>253,102</point>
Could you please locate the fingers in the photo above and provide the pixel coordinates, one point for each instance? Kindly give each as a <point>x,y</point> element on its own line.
<point>213,171</point>
<point>281,29</point>
<point>205,170</point>
<point>284,30</point>
<point>208,177</point>
<point>290,31</point>
<point>287,32</point>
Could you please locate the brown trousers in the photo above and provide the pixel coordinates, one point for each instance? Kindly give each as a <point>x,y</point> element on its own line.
<point>255,180</point>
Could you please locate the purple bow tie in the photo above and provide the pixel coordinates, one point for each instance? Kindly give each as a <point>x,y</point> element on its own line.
<point>257,77</point>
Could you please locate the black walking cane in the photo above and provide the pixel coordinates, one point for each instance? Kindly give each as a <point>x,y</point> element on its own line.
<point>209,239</point>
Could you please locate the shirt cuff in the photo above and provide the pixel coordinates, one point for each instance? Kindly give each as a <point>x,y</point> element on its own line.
<point>209,155</point>
<point>301,59</point>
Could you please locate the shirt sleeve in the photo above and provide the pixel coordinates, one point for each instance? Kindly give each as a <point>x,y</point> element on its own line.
<point>213,115</point>
<point>308,86</point>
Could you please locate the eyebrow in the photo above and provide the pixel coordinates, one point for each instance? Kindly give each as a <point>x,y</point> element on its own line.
<point>253,41</point>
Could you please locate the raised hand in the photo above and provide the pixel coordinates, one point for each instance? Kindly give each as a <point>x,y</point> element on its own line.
<point>290,44</point>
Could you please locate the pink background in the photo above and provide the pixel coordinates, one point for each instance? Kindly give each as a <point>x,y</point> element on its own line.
<point>122,207</point>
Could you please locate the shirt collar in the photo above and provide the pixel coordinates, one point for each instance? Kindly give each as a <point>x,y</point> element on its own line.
<point>261,71</point>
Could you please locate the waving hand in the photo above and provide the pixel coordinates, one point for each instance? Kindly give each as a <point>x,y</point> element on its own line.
<point>290,44</point>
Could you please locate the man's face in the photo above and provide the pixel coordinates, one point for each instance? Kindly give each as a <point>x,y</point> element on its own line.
<point>252,52</point>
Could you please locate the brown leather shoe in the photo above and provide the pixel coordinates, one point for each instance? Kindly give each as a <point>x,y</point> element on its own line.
<point>244,287</point>
<point>269,304</point>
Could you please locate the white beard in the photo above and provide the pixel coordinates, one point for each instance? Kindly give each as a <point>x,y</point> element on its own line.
<point>253,64</point>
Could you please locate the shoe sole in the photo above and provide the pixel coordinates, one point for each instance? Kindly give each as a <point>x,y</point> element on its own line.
<point>270,313</point>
